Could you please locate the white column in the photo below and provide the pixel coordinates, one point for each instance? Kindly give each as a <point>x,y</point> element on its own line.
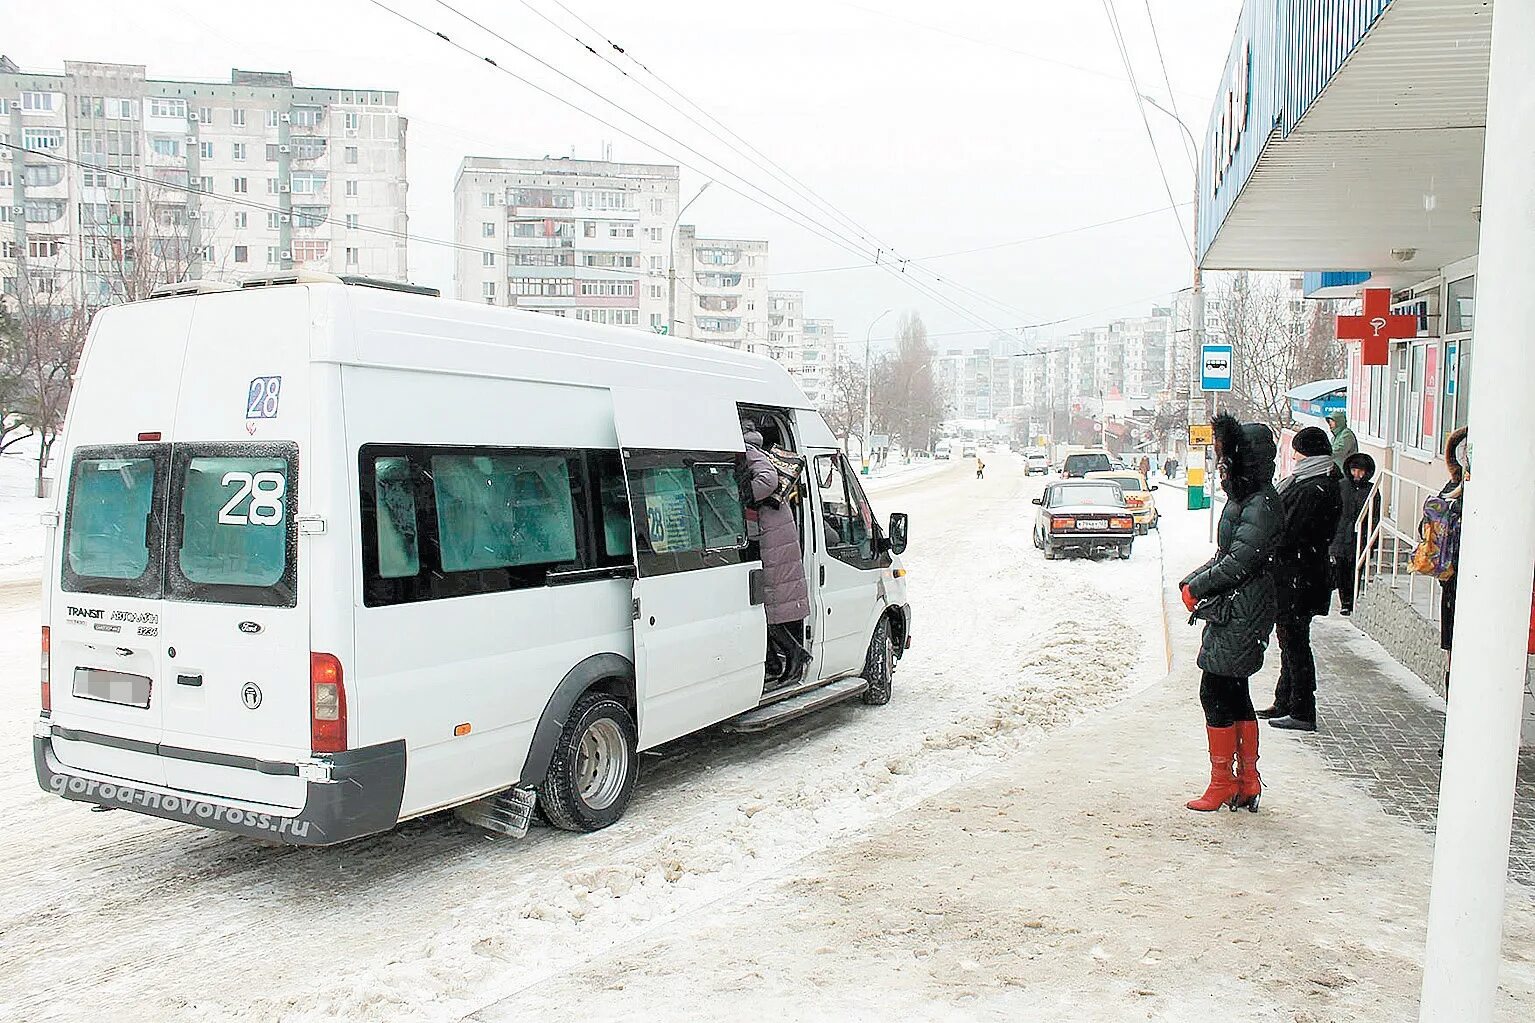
<point>1476,793</point>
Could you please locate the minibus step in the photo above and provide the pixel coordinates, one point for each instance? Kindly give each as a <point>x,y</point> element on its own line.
<point>507,813</point>
<point>763,718</point>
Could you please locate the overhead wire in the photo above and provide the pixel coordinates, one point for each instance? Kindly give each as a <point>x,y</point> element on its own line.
<point>1172,97</point>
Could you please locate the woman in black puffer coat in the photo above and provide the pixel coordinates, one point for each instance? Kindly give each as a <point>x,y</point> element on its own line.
<point>1234,591</point>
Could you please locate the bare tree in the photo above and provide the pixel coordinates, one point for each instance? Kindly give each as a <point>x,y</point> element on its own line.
<point>139,245</point>
<point>50,337</point>
<point>1268,337</point>
<point>842,400</point>
<point>14,427</point>
<point>909,400</point>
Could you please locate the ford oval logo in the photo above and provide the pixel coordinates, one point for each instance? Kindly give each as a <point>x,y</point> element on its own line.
<point>250,628</point>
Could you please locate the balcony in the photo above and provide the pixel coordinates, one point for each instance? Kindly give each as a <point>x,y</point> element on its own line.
<point>711,256</point>
<point>719,303</point>
<point>707,279</point>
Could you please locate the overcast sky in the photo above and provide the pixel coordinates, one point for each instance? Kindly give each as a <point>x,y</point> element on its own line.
<point>935,127</point>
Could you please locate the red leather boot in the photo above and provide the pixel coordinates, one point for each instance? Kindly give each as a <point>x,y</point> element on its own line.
<point>1249,784</point>
<point>1223,783</point>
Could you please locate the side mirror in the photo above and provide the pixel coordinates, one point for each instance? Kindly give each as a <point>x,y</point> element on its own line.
<point>1153,486</point>
<point>1039,500</point>
<point>899,529</point>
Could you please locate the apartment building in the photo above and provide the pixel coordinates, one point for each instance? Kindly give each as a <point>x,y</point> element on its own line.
<point>162,179</point>
<point>723,297</point>
<point>580,238</point>
<point>821,354</point>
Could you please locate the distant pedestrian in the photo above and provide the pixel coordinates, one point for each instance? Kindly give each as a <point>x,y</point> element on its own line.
<point>1344,443</point>
<point>980,468</point>
<point>1358,480</point>
<point>1146,466</point>
<point>1312,497</point>
<point>1233,593</point>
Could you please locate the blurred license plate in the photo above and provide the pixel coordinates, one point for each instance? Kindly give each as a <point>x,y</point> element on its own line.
<point>111,687</point>
<point>1092,524</point>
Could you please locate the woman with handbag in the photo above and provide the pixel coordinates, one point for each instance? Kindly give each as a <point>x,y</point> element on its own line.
<point>1234,594</point>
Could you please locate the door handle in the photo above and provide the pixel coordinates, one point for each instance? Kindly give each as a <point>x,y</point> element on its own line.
<point>189,680</point>
<point>823,575</point>
<point>756,586</point>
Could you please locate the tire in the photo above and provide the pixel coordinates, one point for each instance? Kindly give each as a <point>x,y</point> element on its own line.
<point>1049,549</point>
<point>879,665</point>
<point>1124,551</point>
<point>1038,544</point>
<point>591,777</point>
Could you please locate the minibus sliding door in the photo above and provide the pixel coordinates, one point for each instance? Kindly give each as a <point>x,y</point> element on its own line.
<point>700,631</point>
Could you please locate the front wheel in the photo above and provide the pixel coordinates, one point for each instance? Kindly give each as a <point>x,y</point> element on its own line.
<point>591,777</point>
<point>879,665</point>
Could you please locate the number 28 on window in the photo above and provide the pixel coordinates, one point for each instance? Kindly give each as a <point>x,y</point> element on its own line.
<point>265,491</point>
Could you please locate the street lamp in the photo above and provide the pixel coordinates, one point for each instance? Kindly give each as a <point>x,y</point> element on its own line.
<point>867,343</point>
<point>671,262</point>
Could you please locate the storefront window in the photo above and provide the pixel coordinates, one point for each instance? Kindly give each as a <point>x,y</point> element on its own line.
<point>1460,306</point>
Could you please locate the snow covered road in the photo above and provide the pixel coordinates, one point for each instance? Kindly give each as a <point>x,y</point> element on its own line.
<point>103,913</point>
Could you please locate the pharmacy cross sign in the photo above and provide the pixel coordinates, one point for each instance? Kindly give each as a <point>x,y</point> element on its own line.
<point>1376,327</point>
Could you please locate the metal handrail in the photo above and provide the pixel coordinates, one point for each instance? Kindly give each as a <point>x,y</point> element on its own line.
<point>1384,549</point>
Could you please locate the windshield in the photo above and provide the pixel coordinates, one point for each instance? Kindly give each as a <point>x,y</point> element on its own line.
<point>1077,465</point>
<point>1126,482</point>
<point>1104,495</point>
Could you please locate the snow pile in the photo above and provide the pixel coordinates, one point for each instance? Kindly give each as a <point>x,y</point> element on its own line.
<point>21,533</point>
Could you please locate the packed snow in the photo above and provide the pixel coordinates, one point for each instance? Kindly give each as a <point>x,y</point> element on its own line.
<point>437,920</point>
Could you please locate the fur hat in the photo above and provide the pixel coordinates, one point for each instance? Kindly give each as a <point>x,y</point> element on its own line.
<point>1313,440</point>
<point>1248,453</point>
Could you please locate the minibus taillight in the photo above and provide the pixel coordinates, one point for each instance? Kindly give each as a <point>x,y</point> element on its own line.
<point>327,704</point>
<point>47,676</point>
<point>150,435</point>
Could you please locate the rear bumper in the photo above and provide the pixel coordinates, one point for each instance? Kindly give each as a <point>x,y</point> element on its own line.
<point>1084,541</point>
<point>360,795</point>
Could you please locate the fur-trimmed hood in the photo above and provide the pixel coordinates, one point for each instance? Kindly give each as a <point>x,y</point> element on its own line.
<point>1360,460</point>
<point>1249,451</point>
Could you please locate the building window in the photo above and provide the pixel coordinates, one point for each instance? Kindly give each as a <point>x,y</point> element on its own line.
<point>351,221</point>
<point>273,221</point>
<point>351,256</point>
<point>237,117</point>
<point>655,321</point>
<point>237,151</point>
<point>272,255</point>
<point>488,290</point>
<point>90,106</point>
<point>589,229</point>
<point>612,317</point>
<point>351,120</point>
<point>487,199</point>
<point>656,291</point>
<point>205,150</point>
<point>271,152</point>
<point>487,259</point>
<point>620,230</point>
<point>657,206</point>
<point>162,146</point>
<point>271,119</point>
<point>50,139</point>
<point>1460,306</point>
<point>208,254</point>
<point>241,185</point>
<point>308,250</point>
<point>488,229</point>
<point>161,107</point>
<point>351,189</point>
<point>653,233</point>
<point>41,102</point>
<point>241,219</point>
<point>205,183</point>
<point>351,154</point>
<point>205,115</point>
<point>656,264</point>
<point>312,183</point>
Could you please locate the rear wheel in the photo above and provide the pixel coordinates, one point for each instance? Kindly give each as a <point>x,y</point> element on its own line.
<point>1050,551</point>
<point>591,777</point>
<point>879,665</point>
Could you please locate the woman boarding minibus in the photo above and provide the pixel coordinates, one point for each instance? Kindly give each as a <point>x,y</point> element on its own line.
<point>329,555</point>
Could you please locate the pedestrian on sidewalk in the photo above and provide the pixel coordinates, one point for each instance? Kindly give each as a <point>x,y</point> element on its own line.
<point>1234,594</point>
<point>1358,480</point>
<point>1344,443</point>
<point>1312,497</point>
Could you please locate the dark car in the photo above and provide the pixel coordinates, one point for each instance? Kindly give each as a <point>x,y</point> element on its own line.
<point>1080,463</point>
<point>1083,516</point>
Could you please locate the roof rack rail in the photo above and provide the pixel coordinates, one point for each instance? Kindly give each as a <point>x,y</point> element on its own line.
<point>321,277</point>
<point>190,288</point>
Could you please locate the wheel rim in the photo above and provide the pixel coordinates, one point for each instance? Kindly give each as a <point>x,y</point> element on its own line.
<point>602,764</point>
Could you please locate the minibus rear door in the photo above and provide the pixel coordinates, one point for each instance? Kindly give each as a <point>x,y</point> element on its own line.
<point>699,638</point>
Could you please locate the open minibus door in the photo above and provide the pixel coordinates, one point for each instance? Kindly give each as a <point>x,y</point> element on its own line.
<point>700,629</point>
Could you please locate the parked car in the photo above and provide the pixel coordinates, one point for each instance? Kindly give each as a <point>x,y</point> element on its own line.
<point>1081,461</point>
<point>1035,463</point>
<point>1137,496</point>
<point>968,451</point>
<point>944,450</point>
<point>1083,516</point>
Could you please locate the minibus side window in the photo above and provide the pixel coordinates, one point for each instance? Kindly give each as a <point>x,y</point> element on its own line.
<point>503,511</point>
<point>613,509</point>
<point>846,518</point>
<point>399,553</point>
<point>113,529</point>
<point>689,512</point>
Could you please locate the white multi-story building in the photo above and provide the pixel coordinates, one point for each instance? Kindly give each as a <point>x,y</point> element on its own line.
<point>786,330</point>
<point>580,238</point>
<point>820,355</point>
<point>158,179</point>
<point>723,298</point>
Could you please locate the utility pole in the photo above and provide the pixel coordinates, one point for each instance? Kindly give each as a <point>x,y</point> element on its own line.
<point>1497,557</point>
<point>671,262</point>
<point>867,404</point>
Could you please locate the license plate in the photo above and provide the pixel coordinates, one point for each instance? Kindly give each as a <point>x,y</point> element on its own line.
<point>111,687</point>
<point>1092,524</point>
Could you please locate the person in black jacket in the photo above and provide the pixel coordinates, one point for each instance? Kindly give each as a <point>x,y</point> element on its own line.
<point>1234,593</point>
<point>1312,498</point>
<point>1358,481</point>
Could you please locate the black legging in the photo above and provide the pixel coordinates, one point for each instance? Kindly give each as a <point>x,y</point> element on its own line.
<point>1225,699</point>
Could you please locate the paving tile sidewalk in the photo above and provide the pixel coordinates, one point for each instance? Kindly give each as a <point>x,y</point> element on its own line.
<point>1383,726</point>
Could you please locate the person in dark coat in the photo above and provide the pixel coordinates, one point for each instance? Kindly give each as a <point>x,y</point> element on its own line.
<point>783,565</point>
<point>1457,459</point>
<point>1234,592</point>
<point>1312,499</point>
<point>1358,480</point>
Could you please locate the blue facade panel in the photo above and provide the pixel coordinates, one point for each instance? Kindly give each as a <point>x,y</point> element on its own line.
<point>1284,54</point>
<point>1313,281</point>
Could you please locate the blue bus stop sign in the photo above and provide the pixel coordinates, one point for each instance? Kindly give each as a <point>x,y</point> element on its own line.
<point>1215,368</point>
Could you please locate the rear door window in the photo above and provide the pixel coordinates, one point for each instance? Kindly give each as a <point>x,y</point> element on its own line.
<point>233,536</point>
<point>114,521</point>
<point>1078,465</point>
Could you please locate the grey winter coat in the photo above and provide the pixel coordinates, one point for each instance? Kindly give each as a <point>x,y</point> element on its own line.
<point>783,563</point>
<point>1250,529</point>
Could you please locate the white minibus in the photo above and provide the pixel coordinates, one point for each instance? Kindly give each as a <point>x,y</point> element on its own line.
<point>328,554</point>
